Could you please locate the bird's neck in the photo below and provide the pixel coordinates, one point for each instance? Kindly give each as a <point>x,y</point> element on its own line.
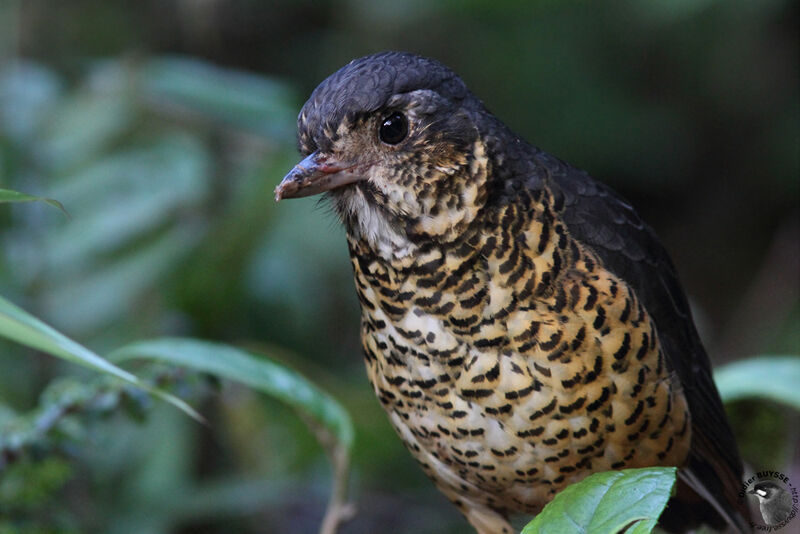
<point>371,228</point>
<point>462,290</point>
<point>499,169</point>
<point>393,221</point>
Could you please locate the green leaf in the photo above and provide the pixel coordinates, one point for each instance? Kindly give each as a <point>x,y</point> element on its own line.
<point>769,377</point>
<point>252,370</point>
<point>18,325</point>
<point>643,527</point>
<point>7,195</point>
<point>608,503</point>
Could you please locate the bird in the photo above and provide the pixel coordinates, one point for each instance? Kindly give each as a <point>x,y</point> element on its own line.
<point>774,501</point>
<point>521,325</point>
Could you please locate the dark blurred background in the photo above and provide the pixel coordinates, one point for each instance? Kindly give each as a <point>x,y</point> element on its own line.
<point>164,125</point>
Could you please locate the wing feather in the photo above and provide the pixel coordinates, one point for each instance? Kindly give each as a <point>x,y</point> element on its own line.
<point>603,221</point>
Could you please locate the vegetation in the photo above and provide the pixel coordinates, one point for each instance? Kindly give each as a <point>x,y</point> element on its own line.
<point>147,140</point>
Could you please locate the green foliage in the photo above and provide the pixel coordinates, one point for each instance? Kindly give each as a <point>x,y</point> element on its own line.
<point>27,484</point>
<point>26,488</point>
<point>135,182</point>
<point>608,503</point>
<point>18,325</point>
<point>166,165</point>
<point>757,392</point>
<point>135,206</point>
<point>66,398</point>
<point>256,372</point>
<point>18,435</point>
<point>775,378</point>
<point>7,195</point>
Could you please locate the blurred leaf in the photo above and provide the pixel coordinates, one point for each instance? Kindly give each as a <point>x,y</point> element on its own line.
<point>328,420</point>
<point>233,234</point>
<point>124,195</point>
<point>81,127</point>
<point>28,484</point>
<point>608,503</point>
<point>252,370</point>
<point>766,432</point>
<point>226,497</point>
<point>18,325</point>
<point>7,195</point>
<point>27,93</point>
<point>155,460</point>
<point>106,294</point>
<point>248,101</point>
<point>297,296</point>
<point>769,377</point>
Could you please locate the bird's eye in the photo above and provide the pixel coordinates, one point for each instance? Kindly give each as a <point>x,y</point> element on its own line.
<point>394,128</point>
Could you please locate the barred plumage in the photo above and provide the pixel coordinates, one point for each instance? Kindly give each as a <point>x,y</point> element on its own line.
<point>521,326</point>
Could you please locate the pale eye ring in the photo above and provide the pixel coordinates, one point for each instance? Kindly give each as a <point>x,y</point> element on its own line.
<point>393,128</point>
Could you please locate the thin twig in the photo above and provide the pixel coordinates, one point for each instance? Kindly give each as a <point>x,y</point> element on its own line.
<point>339,510</point>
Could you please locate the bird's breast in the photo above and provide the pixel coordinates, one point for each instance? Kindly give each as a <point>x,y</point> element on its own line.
<point>512,363</point>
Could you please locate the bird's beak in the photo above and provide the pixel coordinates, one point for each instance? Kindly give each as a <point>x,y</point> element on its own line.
<point>316,174</point>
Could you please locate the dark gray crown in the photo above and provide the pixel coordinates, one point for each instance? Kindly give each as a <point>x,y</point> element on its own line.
<point>364,85</point>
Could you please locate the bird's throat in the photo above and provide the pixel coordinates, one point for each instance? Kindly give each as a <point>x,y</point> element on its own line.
<point>369,223</point>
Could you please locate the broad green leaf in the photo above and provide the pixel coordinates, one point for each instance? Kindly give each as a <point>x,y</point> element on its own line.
<point>254,371</point>
<point>7,195</point>
<point>770,377</point>
<point>18,325</point>
<point>608,503</point>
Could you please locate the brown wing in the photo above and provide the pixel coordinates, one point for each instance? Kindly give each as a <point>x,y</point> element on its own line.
<point>600,219</point>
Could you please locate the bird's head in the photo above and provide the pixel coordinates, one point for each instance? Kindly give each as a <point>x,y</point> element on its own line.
<point>393,138</point>
<point>765,490</point>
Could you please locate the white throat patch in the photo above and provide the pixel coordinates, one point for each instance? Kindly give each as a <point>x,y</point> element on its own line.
<point>371,226</point>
